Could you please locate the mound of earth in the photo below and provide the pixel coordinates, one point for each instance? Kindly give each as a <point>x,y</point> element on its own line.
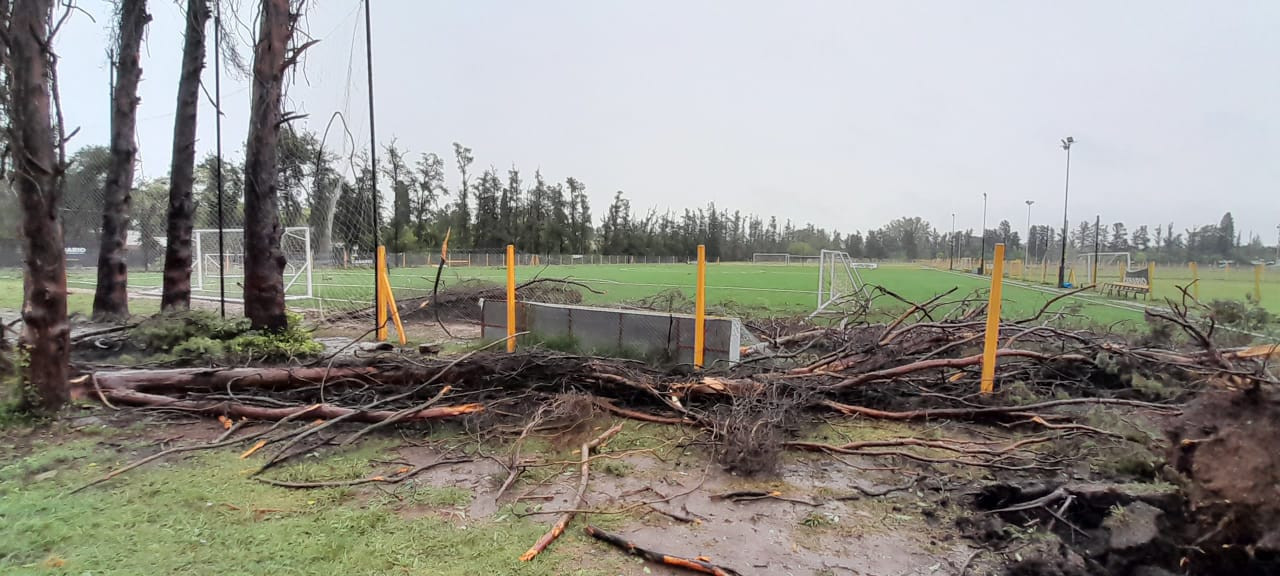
<point>1227,446</point>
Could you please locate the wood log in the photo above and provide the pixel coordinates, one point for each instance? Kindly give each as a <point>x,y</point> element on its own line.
<point>238,410</point>
<point>211,379</point>
<point>937,363</point>
<point>691,564</point>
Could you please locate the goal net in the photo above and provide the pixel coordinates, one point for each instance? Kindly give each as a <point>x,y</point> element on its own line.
<point>840,285</point>
<point>770,258</point>
<point>1108,267</point>
<point>211,266</point>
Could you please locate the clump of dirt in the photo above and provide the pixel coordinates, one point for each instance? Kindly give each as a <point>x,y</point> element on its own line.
<point>1225,446</point>
<point>1222,516</point>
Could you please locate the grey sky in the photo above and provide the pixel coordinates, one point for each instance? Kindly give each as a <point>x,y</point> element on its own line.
<point>846,114</point>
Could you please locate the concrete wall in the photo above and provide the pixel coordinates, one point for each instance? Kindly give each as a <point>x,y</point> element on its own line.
<point>615,331</point>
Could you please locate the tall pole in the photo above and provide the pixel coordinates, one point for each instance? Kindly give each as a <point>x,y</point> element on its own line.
<point>1278,244</point>
<point>1097,244</point>
<point>1028,258</point>
<point>982,252</point>
<point>373,143</point>
<point>217,128</point>
<point>952,264</point>
<point>1066,192</point>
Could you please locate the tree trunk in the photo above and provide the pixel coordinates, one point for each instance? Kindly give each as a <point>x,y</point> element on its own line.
<point>45,333</point>
<point>263,259</point>
<point>111,299</point>
<point>176,294</point>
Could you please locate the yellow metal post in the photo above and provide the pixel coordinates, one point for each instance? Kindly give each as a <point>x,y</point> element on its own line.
<point>1257,283</point>
<point>388,300</point>
<point>1044,270</point>
<point>993,323</point>
<point>1151,278</point>
<point>1195,279</point>
<point>379,257</point>
<point>511,297</point>
<point>700,309</point>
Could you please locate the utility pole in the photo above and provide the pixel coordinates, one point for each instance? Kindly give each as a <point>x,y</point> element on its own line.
<point>952,264</point>
<point>1066,192</point>
<point>217,123</point>
<point>1028,259</point>
<point>373,151</point>
<point>982,252</point>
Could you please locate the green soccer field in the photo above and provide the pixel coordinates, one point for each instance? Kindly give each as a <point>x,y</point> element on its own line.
<point>738,288</point>
<point>774,290</point>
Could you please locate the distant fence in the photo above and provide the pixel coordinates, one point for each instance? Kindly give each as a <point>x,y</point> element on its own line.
<point>1255,282</point>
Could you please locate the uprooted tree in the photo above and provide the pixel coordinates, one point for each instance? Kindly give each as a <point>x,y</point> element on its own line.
<point>45,334</point>
<point>176,293</point>
<point>264,260</point>
<point>111,298</point>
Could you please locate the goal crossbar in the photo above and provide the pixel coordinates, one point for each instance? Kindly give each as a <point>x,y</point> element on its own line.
<point>840,284</point>
<point>1105,264</point>
<point>211,263</point>
<point>770,258</point>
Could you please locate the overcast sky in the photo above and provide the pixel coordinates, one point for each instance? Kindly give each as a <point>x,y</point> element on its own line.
<point>843,113</point>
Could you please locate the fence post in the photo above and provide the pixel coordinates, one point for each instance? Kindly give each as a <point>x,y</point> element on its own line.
<point>378,257</point>
<point>993,322</point>
<point>1151,277</point>
<point>1195,280</point>
<point>1257,283</point>
<point>700,309</point>
<point>511,297</point>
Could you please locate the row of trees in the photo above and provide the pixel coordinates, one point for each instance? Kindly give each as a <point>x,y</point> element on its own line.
<point>35,138</point>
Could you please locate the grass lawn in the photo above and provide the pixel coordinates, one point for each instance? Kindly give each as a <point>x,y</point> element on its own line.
<point>203,515</point>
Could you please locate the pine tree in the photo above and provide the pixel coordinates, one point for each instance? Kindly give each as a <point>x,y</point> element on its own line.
<point>462,207</point>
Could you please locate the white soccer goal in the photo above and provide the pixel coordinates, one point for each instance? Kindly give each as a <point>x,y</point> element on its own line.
<point>1111,267</point>
<point>840,285</point>
<point>210,266</point>
<point>770,258</point>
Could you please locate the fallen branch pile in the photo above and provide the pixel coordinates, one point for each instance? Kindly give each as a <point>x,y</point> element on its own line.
<point>926,370</point>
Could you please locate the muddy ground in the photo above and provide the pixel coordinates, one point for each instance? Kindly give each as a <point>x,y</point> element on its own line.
<point>826,525</point>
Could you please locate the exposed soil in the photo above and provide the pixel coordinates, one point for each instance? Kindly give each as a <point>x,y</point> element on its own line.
<point>1228,448</point>
<point>902,533</point>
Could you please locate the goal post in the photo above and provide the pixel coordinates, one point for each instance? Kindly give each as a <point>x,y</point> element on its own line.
<point>1111,265</point>
<point>840,285</point>
<point>211,266</point>
<point>770,258</point>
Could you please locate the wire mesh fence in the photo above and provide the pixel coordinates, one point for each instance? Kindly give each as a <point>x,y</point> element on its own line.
<point>331,230</point>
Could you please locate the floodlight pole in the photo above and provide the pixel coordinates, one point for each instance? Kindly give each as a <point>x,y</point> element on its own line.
<point>217,123</point>
<point>1028,259</point>
<point>982,252</point>
<point>952,264</point>
<point>1066,193</point>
